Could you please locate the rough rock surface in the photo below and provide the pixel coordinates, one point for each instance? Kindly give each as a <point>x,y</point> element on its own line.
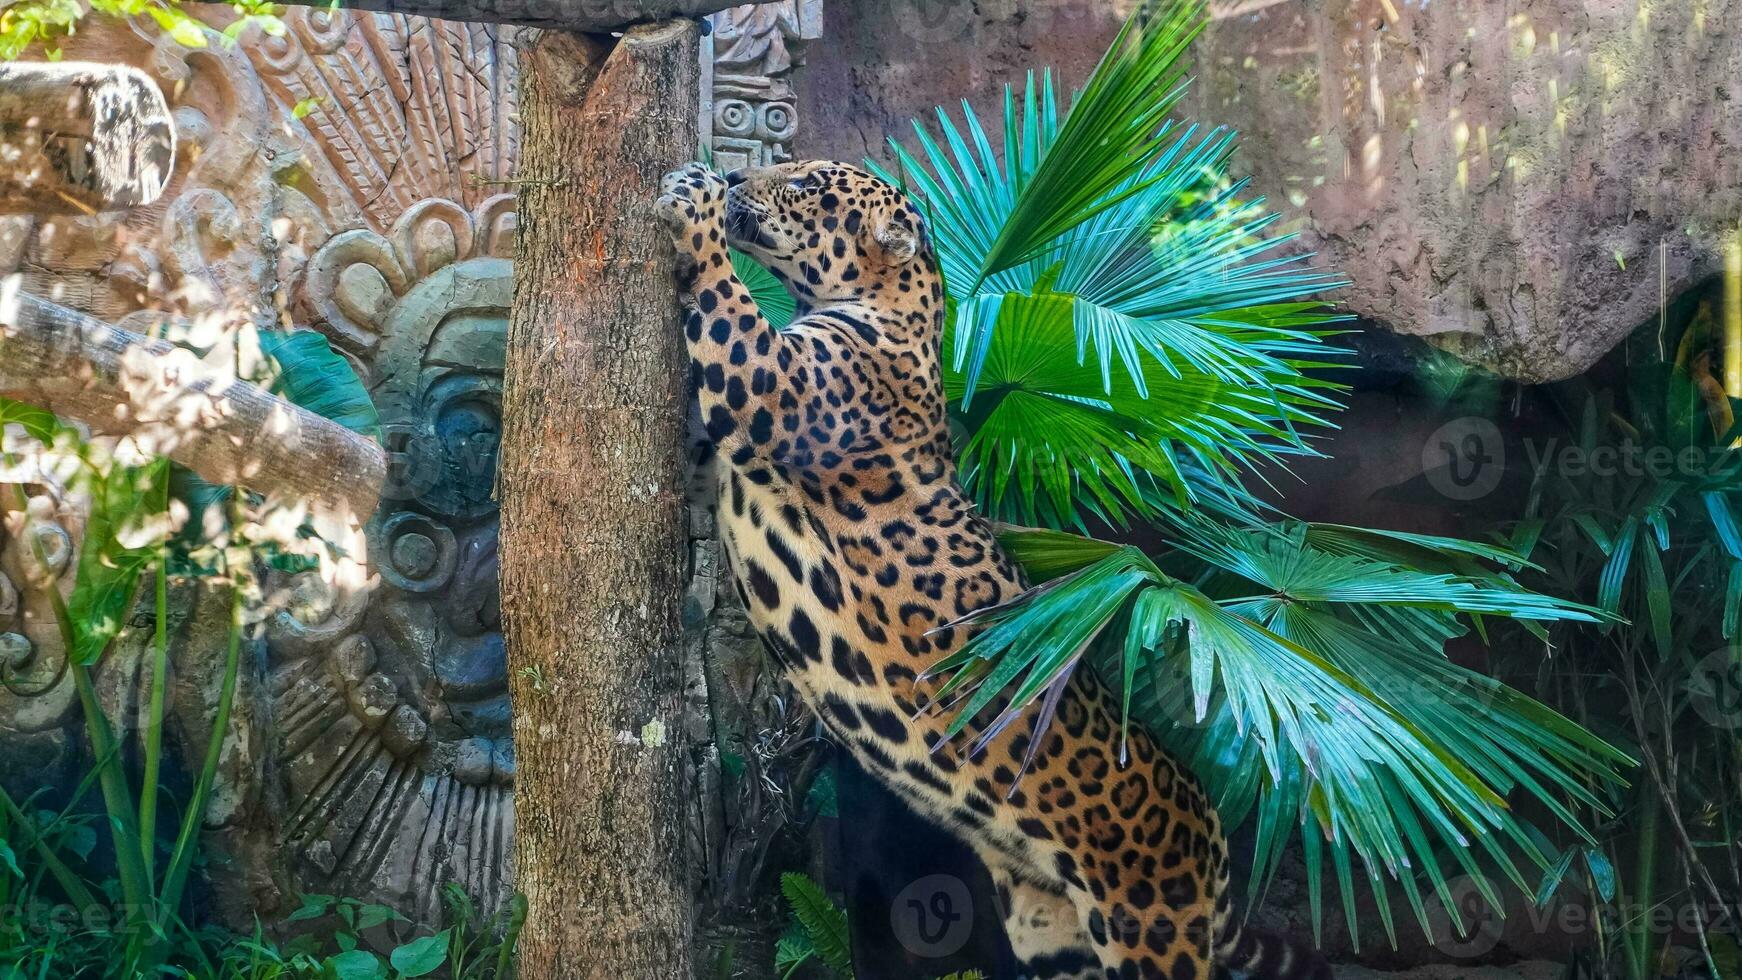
<point>1518,182</point>
<point>884,64</point>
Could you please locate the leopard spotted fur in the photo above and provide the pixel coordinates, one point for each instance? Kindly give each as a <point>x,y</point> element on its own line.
<point>852,543</point>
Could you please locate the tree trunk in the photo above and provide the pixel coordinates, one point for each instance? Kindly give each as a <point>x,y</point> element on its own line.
<point>77,138</point>
<point>226,430</point>
<point>592,509</point>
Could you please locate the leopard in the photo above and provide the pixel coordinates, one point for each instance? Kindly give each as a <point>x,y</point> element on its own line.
<point>861,561</point>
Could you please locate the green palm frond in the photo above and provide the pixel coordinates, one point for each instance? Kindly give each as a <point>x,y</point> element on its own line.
<point>1300,683</point>
<point>1051,433</point>
<point>777,305</point>
<point>1141,319</point>
<point>1070,172</point>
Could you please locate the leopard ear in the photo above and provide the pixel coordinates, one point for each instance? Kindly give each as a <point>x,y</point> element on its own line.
<point>899,235</point>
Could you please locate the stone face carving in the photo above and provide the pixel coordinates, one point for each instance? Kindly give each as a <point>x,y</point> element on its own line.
<point>392,705</point>
<point>355,176</point>
<point>349,176</point>
<point>749,115</point>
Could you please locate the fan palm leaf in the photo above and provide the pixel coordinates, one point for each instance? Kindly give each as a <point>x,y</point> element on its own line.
<point>1159,277</point>
<point>1302,684</point>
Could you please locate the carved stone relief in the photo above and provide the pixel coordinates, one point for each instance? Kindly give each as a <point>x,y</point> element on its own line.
<point>355,176</point>
<point>36,703</point>
<point>749,114</point>
<point>349,176</point>
<point>391,704</point>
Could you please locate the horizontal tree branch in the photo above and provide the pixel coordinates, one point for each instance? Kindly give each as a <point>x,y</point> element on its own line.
<point>172,404</point>
<point>78,137</point>
<point>588,16</point>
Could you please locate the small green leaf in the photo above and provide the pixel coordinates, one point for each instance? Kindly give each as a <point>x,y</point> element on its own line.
<point>1551,879</point>
<point>312,375</point>
<point>371,916</point>
<point>9,859</point>
<point>422,956</point>
<point>313,907</point>
<point>37,423</point>
<point>824,922</point>
<point>81,840</point>
<point>1602,872</point>
<point>188,33</point>
<point>793,951</point>
<point>356,964</point>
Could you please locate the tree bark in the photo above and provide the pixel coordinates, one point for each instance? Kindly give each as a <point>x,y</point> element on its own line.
<point>78,137</point>
<point>227,431</point>
<point>591,484</point>
<point>596,16</point>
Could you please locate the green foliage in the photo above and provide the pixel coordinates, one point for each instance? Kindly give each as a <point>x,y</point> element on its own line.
<point>46,23</point>
<point>1632,507</point>
<point>1126,345</point>
<point>1121,331</point>
<point>303,369</point>
<point>126,519</point>
<point>1300,673</point>
<point>819,930</point>
<point>307,372</point>
<point>776,304</point>
<point>37,423</point>
<point>139,929</point>
<point>1071,172</point>
<point>363,940</point>
<point>340,939</point>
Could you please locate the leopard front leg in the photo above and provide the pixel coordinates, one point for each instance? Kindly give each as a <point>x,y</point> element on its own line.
<point>747,376</point>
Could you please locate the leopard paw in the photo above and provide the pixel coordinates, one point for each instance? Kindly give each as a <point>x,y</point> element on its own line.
<point>692,206</point>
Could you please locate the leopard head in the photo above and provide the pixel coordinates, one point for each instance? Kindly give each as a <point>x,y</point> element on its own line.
<point>832,232</point>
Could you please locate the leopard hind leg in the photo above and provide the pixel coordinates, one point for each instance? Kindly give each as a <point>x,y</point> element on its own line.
<point>1043,925</point>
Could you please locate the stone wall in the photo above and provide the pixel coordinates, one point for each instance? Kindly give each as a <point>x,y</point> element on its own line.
<point>890,62</point>
<point>1521,183</point>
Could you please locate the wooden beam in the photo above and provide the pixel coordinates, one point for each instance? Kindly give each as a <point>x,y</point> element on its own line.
<point>586,16</point>
<point>78,137</point>
<point>594,533</point>
<point>227,431</point>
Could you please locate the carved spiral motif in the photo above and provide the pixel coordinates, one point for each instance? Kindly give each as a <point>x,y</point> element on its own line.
<point>414,552</point>
<point>278,55</point>
<point>53,543</point>
<point>734,117</point>
<point>777,121</point>
<point>322,31</point>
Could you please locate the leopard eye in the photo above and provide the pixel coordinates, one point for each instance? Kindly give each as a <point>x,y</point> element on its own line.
<point>799,183</point>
